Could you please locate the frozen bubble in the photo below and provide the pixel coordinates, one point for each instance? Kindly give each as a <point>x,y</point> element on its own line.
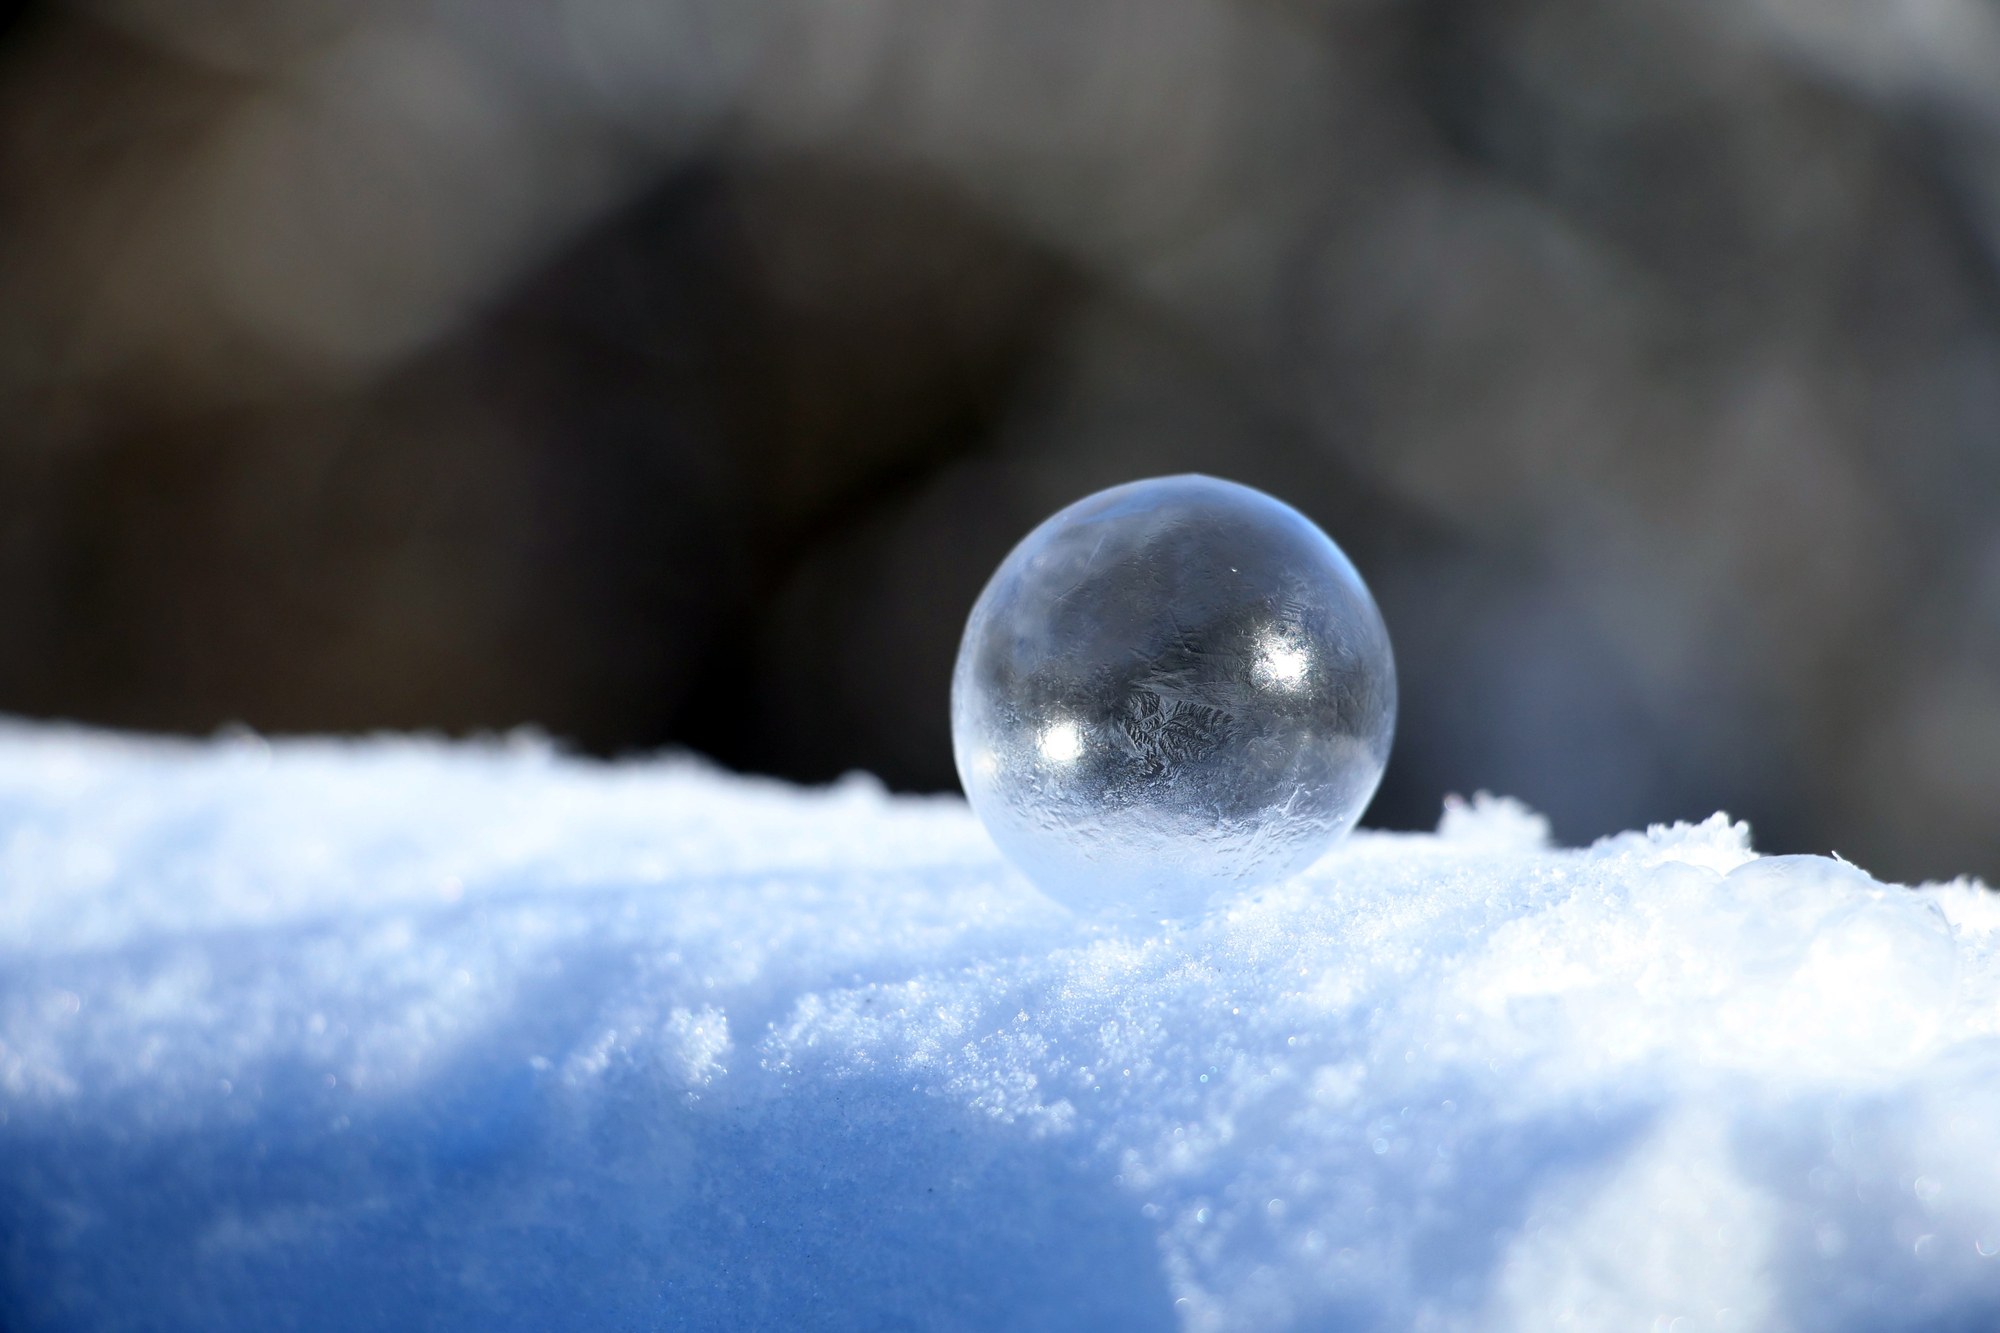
<point>1171,689</point>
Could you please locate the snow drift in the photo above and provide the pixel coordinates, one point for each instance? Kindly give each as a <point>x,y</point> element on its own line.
<point>405,1034</point>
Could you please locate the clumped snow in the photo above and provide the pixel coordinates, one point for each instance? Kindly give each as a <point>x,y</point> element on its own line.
<point>402,1034</point>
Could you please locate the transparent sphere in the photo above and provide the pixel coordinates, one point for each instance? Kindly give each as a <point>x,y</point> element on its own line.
<point>1172,690</point>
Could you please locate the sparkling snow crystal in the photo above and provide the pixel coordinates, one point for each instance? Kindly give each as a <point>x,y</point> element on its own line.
<point>400,1034</point>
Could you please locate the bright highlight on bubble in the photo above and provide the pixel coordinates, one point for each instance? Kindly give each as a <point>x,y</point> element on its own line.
<point>1171,691</point>
<point>1061,743</point>
<point>1282,668</point>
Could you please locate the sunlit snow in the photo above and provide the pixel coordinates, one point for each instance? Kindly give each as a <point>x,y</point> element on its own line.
<point>401,1034</point>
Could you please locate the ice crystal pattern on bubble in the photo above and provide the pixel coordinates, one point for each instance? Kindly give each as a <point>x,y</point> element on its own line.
<point>1169,690</point>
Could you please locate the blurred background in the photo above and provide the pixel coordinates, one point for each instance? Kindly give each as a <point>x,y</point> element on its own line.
<point>675,371</point>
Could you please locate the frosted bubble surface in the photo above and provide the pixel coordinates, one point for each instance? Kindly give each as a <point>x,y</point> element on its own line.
<point>1171,691</point>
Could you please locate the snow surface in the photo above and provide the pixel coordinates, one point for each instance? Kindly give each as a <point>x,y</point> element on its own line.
<point>401,1034</point>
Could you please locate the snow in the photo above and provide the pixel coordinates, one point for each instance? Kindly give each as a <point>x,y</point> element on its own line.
<point>406,1034</point>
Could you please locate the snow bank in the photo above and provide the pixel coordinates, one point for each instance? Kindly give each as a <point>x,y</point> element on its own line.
<point>406,1035</point>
